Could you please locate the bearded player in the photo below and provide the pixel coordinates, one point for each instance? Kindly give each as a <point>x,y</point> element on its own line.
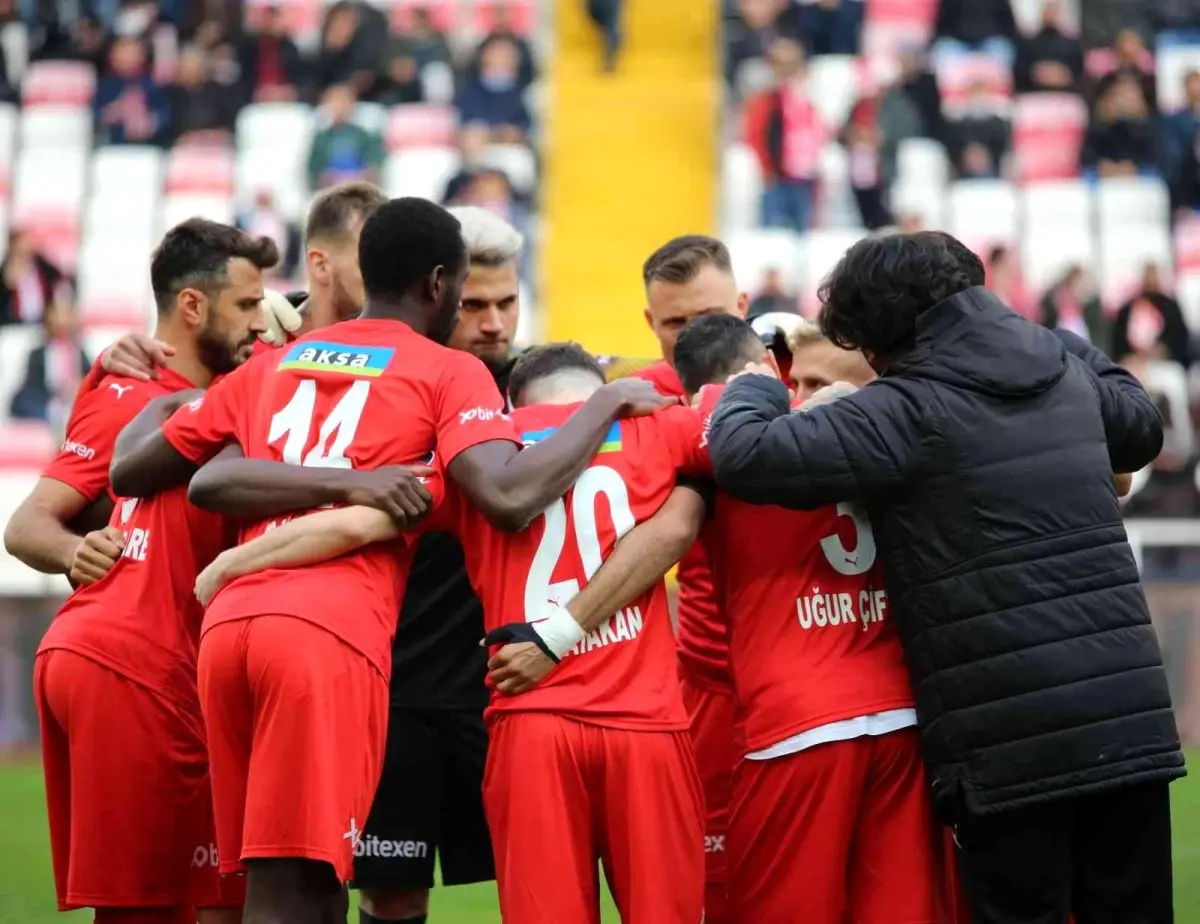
<point>298,663</point>
<point>114,678</point>
<point>615,781</point>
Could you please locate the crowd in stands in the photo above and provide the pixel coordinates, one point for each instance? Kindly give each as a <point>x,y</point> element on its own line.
<point>120,117</point>
<point>1059,139</point>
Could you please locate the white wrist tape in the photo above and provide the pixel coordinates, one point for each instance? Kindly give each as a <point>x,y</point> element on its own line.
<point>558,629</point>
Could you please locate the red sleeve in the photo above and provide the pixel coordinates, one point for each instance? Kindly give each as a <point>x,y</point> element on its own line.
<point>97,419</point>
<point>682,432</point>
<point>92,380</point>
<point>445,515</point>
<point>469,409</point>
<point>199,430</point>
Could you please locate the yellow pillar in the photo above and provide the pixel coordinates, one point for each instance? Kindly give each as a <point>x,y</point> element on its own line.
<point>631,161</point>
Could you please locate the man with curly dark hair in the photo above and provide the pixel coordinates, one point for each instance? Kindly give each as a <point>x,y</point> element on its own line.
<point>984,455</point>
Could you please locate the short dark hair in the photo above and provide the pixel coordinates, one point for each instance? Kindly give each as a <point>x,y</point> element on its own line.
<point>874,295</point>
<point>713,347</point>
<point>333,211</point>
<point>195,254</point>
<point>403,241</point>
<point>680,259</point>
<point>540,361</point>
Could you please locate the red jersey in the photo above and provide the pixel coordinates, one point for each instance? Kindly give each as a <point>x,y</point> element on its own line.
<point>811,636</point>
<point>702,644</point>
<point>624,674</point>
<point>142,619</point>
<point>103,407</point>
<point>360,394</point>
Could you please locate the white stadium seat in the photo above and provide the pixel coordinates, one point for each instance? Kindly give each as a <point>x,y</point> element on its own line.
<point>421,172</point>
<point>50,178</point>
<point>922,162</point>
<point>741,188</point>
<point>821,251</point>
<point>198,171</point>
<point>1122,254</point>
<point>124,172</point>
<point>835,205</point>
<point>1132,201</point>
<point>274,126</point>
<point>929,201</point>
<point>176,209</point>
<point>284,176</point>
<point>114,284</point>
<point>983,212</point>
<point>755,252</point>
<point>833,86</point>
<point>516,161</point>
<point>1055,204</point>
<point>58,127</point>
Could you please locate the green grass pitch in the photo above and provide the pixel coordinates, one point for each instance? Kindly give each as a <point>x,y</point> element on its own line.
<point>27,891</point>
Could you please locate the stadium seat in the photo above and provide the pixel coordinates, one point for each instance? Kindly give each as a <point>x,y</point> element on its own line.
<point>922,162</point>
<point>97,338</point>
<point>956,75</point>
<point>1136,201</point>
<point>25,444</point>
<point>835,204</point>
<point>833,86</point>
<point>516,161</point>
<point>1048,130</point>
<point>1055,204</point>
<point>132,220</point>
<point>741,188</point>
<point>821,251</point>
<point>200,171</point>
<point>48,198</point>
<point>1123,253</point>
<point>63,128</point>
<point>114,283</point>
<point>61,83</point>
<point>371,116</point>
<point>928,201</point>
<point>279,127</point>
<point>127,173</point>
<point>1170,67</point>
<point>422,172</point>
<point>177,208</point>
<point>286,178</point>
<point>755,252</point>
<point>1187,290</point>
<point>15,43</point>
<point>1056,230</point>
<point>418,125</point>
<point>983,213</point>
<point>8,148</point>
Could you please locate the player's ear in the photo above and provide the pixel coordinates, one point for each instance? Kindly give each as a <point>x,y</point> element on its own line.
<point>436,283</point>
<point>192,306</point>
<point>649,317</point>
<point>318,266</point>
<point>771,361</point>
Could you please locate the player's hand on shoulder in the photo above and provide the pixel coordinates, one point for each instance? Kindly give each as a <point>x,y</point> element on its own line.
<point>397,490</point>
<point>828,395</point>
<point>518,667</point>
<point>95,555</point>
<point>136,356</point>
<point>755,369</point>
<point>636,397</point>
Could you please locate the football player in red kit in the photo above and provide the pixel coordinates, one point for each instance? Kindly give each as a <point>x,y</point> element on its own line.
<point>298,664</point>
<point>829,816</point>
<point>114,679</point>
<point>615,780</point>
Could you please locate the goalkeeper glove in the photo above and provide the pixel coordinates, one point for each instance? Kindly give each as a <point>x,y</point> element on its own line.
<point>555,632</point>
<point>282,318</point>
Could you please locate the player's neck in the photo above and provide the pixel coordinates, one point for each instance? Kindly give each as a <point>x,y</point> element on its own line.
<point>403,310</point>
<point>186,361</point>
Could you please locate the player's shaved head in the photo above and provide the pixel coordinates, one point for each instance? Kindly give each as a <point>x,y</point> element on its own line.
<point>713,347</point>
<point>554,373</point>
<point>413,260</point>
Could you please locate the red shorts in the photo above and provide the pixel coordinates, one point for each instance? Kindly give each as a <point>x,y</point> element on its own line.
<point>843,830</point>
<point>560,794</point>
<point>297,721</point>
<point>127,791</point>
<point>711,710</point>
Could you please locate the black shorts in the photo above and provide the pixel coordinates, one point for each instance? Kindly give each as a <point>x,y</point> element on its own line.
<point>429,801</point>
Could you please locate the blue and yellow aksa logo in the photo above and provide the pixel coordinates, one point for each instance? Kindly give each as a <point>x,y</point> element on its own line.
<point>321,356</point>
<point>612,441</point>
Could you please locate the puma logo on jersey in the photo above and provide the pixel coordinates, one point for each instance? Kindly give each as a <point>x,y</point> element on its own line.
<point>624,626</point>
<point>119,389</point>
<point>319,356</point>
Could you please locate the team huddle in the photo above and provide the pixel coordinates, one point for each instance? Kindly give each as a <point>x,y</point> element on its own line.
<point>235,722</point>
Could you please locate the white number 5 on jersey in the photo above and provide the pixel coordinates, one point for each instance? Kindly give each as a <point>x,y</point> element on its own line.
<point>859,559</point>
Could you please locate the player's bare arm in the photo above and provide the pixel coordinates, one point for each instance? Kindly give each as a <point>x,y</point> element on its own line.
<point>47,529</point>
<point>253,488</point>
<point>637,562</point>
<point>511,486</point>
<point>144,463</point>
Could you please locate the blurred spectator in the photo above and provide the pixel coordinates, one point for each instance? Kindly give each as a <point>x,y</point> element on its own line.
<point>349,52</point>
<point>978,141</point>
<point>898,119</point>
<point>1004,279</point>
<point>1179,18</point>
<point>1100,20</point>
<point>606,14</point>
<point>1051,60</point>
<point>1121,139</point>
<point>53,369</point>
<point>28,281</point>
<point>207,23</point>
<point>89,42</point>
<point>406,58</point>
<point>786,132</point>
<point>975,25</point>
<point>264,219</point>
<point>1150,326</point>
<point>864,142</point>
<point>919,86</point>
<point>1179,141</point>
<point>202,110</point>
<point>832,27</point>
<point>492,104</point>
<point>130,108</point>
<point>1071,304</point>
<point>491,190</point>
<point>8,93</point>
<point>773,296</point>
<point>758,24</point>
<point>272,69</point>
<point>1127,57</point>
<point>502,31</point>
<point>343,151</point>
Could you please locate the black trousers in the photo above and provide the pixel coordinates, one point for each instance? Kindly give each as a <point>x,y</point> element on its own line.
<point>1104,859</point>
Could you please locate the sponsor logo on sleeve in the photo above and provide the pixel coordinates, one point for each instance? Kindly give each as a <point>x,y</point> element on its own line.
<point>340,358</point>
<point>372,846</point>
<point>481,414</point>
<point>71,447</point>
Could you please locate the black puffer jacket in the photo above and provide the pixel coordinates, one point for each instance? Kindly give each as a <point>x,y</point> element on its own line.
<point>984,458</point>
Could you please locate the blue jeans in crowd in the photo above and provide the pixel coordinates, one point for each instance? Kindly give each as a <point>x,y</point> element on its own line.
<point>788,204</point>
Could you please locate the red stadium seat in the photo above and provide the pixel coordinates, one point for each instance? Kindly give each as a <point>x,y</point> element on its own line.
<point>200,171</point>
<point>956,75</point>
<point>1187,246</point>
<point>522,15</point>
<point>1048,131</point>
<point>421,126</point>
<point>26,445</point>
<point>442,13</point>
<point>54,231</point>
<point>71,83</point>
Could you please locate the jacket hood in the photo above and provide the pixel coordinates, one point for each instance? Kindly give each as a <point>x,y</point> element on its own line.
<point>973,341</point>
